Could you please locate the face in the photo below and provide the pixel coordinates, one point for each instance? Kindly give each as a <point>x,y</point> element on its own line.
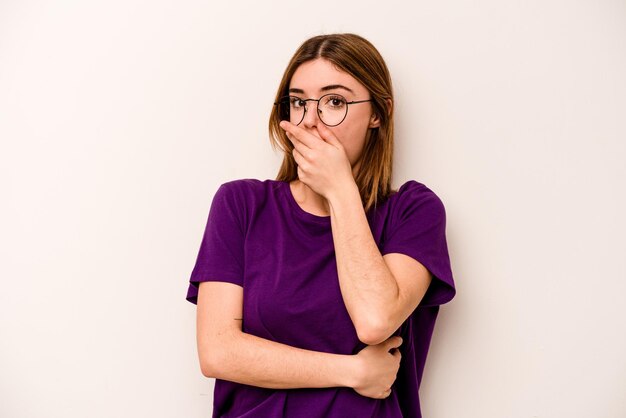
<point>308,82</point>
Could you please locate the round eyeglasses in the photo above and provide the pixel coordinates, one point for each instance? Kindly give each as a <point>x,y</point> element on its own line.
<point>332,108</point>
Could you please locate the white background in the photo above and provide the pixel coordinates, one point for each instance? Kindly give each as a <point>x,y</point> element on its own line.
<point>119,120</point>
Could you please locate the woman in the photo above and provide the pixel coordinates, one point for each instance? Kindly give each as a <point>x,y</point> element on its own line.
<point>317,292</point>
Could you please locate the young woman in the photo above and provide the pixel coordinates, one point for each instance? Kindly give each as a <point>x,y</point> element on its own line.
<point>317,292</point>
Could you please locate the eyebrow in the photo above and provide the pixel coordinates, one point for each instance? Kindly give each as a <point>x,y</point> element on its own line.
<point>325,88</point>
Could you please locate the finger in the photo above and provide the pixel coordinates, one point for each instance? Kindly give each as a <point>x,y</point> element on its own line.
<point>302,136</point>
<point>291,138</point>
<point>297,145</point>
<point>328,135</point>
<point>396,341</point>
<point>302,149</point>
<point>297,156</point>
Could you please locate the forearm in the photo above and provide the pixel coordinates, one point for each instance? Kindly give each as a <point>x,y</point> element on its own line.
<point>251,360</point>
<point>368,288</point>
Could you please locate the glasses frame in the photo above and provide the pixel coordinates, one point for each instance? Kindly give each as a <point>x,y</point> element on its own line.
<point>317,107</point>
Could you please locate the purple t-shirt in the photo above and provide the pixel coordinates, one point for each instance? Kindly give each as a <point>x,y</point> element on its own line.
<point>258,237</point>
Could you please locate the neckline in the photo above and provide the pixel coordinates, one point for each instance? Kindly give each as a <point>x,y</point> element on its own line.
<point>301,213</point>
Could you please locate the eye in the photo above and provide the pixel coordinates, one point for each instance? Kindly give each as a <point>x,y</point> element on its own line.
<point>296,102</point>
<point>336,102</point>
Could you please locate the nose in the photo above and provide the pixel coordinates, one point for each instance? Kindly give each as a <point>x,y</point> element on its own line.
<point>311,118</point>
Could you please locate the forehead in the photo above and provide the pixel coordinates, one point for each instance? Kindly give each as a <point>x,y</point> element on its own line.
<point>312,76</point>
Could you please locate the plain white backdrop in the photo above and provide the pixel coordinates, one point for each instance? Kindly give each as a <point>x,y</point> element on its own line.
<point>120,119</point>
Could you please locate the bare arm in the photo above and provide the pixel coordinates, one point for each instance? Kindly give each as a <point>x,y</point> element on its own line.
<point>227,353</point>
<point>379,292</point>
<point>369,289</point>
<point>248,359</point>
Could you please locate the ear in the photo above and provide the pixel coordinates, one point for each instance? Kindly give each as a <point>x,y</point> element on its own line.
<point>375,120</point>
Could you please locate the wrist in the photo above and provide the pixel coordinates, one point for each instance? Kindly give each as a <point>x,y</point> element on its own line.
<point>344,194</point>
<point>348,372</point>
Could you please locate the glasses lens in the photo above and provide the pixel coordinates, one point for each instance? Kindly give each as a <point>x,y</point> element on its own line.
<point>332,109</point>
<point>291,108</point>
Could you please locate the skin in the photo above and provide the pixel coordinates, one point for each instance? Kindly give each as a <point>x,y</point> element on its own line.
<point>374,291</point>
<point>328,160</point>
<point>379,292</point>
<point>337,156</point>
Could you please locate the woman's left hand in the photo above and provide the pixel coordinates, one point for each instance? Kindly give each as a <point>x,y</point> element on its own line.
<point>323,164</point>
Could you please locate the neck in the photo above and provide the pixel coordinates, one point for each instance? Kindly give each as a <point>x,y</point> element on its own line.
<point>308,198</point>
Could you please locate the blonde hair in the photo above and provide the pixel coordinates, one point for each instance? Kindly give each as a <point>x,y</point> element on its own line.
<point>356,56</point>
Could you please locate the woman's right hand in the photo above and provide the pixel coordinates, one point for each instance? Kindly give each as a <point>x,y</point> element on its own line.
<point>377,368</point>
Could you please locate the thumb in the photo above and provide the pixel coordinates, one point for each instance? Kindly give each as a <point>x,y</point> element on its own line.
<point>395,341</point>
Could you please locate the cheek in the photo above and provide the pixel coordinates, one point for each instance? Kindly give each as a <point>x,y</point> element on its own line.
<point>352,142</point>
<point>344,136</point>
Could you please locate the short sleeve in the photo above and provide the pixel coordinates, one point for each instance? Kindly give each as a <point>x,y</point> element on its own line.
<point>417,228</point>
<point>220,257</point>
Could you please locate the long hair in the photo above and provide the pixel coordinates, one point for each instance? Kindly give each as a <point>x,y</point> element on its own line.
<point>356,56</point>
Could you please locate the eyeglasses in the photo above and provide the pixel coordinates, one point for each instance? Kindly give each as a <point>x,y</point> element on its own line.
<point>331,108</point>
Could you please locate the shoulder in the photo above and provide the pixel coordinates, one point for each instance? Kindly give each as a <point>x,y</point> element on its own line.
<point>414,196</point>
<point>247,193</point>
<point>415,191</point>
<point>241,185</point>
<point>245,188</point>
<point>239,198</point>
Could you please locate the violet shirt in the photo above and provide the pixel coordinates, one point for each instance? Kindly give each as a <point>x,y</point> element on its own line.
<point>258,237</point>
